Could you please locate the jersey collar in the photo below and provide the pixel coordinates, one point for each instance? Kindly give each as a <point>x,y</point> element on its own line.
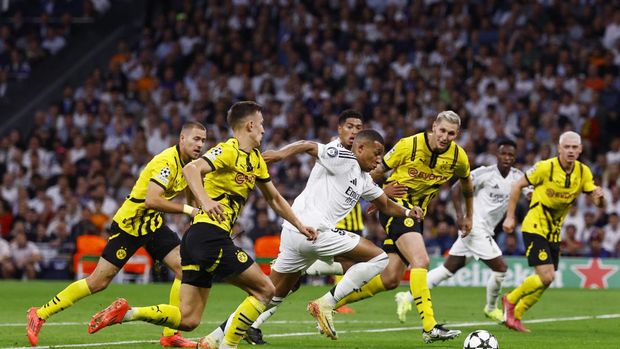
<point>178,148</point>
<point>431,149</point>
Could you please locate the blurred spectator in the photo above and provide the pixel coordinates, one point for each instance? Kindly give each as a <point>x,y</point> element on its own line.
<point>6,259</point>
<point>26,256</point>
<point>570,245</point>
<point>611,232</point>
<point>512,246</point>
<point>595,248</point>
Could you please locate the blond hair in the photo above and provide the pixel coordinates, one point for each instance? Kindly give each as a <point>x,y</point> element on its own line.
<point>449,116</point>
<point>569,134</point>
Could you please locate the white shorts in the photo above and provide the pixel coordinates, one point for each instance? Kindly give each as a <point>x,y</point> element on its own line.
<point>477,244</point>
<point>297,253</point>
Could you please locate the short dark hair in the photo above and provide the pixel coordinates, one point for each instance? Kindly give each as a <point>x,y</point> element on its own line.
<point>190,125</point>
<point>506,141</point>
<point>369,135</point>
<point>240,110</point>
<point>349,114</point>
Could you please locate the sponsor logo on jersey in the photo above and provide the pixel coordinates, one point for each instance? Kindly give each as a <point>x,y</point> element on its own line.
<point>415,173</point>
<point>559,195</point>
<point>353,196</point>
<point>241,178</point>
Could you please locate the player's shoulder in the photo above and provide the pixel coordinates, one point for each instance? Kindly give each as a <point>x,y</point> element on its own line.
<point>167,155</point>
<point>483,170</point>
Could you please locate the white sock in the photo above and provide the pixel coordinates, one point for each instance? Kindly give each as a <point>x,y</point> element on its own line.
<point>356,277</point>
<point>494,285</point>
<point>128,315</point>
<point>323,268</point>
<point>272,307</point>
<point>437,275</point>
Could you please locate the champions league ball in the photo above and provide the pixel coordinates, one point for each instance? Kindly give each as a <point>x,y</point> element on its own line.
<point>480,339</point>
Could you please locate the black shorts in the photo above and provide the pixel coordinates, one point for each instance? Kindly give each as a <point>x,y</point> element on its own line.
<point>207,250</point>
<point>395,227</point>
<point>121,245</point>
<point>539,251</point>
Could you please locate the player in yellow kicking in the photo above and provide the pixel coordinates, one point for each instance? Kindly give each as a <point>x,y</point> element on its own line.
<point>422,163</point>
<point>557,183</point>
<point>221,181</point>
<point>139,222</point>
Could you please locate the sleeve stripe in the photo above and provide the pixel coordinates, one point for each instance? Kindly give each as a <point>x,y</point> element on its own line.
<point>264,180</point>
<point>156,182</point>
<point>209,162</point>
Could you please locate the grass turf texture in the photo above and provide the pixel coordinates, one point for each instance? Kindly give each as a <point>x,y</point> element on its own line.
<point>564,315</point>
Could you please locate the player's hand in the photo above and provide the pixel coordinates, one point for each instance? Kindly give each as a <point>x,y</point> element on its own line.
<point>395,190</point>
<point>417,213</point>
<point>309,232</point>
<point>597,193</point>
<point>464,234</point>
<point>194,212</point>
<point>271,156</point>
<point>371,209</point>
<point>465,224</point>
<point>214,210</point>
<point>509,224</point>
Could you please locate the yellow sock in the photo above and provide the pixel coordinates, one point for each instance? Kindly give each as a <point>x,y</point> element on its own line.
<point>245,315</point>
<point>527,302</point>
<point>374,286</point>
<point>64,299</point>
<point>422,297</point>
<point>337,279</point>
<point>162,314</point>
<point>175,298</point>
<point>529,285</point>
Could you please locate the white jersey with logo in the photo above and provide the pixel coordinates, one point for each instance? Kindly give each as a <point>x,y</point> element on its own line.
<point>491,193</point>
<point>334,187</point>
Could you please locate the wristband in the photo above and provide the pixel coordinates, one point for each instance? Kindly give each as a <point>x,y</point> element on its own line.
<point>188,210</point>
<point>407,212</point>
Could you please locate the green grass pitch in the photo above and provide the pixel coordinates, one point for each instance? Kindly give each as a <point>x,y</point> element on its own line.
<point>564,318</point>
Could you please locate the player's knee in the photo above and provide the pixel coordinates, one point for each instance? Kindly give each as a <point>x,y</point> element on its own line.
<point>189,324</point>
<point>547,278</point>
<point>266,292</point>
<point>97,283</point>
<point>421,262</point>
<point>390,281</point>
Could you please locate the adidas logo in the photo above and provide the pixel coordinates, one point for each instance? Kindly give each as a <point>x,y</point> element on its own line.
<point>353,181</point>
<point>496,186</point>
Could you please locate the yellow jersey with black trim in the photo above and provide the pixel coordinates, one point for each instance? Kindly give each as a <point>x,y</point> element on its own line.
<point>164,170</point>
<point>354,221</point>
<point>554,193</point>
<point>422,170</point>
<point>233,177</point>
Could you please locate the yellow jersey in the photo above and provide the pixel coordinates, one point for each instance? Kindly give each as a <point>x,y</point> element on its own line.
<point>233,177</point>
<point>554,192</point>
<point>422,170</point>
<point>164,170</point>
<point>354,221</point>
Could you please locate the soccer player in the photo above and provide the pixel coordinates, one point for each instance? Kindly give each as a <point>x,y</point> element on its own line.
<point>422,162</point>
<point>557,183</point>
<point>491,191</point>
<point>350,122</point>
<point>139,222</point>
<point>221,181</point>
<point>338,180</point>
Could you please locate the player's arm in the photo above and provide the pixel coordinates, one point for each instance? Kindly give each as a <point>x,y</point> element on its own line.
<point>283,209</point>
<point>390,208</point>
<point>467,189</point>
<point>290,150</point>
<point>154,200</point>
<point>194,173</point>
<point>509,222</point>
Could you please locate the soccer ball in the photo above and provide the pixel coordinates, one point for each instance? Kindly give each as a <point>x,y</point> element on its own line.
<point>480,339</point>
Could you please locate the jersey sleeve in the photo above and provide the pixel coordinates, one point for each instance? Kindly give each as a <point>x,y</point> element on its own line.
<point>371,190</point>
<point>478,177</point>
<point>398,154</point>
<point>588,180</point>
<point>220,156</point>
<point>462,169</point>
<point>334,159</point>
<point>263,171</point>
<point>161,171</point>
<point>537,173</point>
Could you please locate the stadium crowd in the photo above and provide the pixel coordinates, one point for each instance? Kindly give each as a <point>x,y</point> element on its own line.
<point>523,71</point>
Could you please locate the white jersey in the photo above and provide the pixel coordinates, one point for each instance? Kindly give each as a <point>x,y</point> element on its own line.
<point>335,185</point>
<point>491,193</point>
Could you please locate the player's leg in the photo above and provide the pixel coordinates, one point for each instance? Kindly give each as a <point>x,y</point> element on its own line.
<point>544,257</point>
<point>494,285</point>
<point>165,246</point>
<point>119,248</point>
<point>261,290</point>
<point>370,261</point>
<point>411,245</point>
